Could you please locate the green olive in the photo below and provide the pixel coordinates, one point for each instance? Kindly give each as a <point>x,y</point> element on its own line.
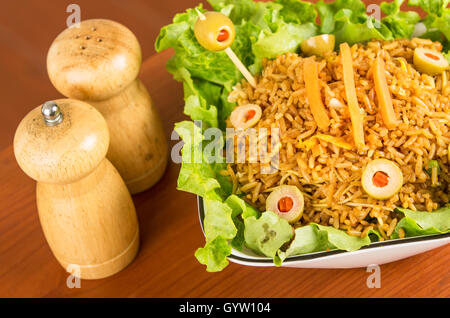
<point>245,116</point>
<point>382,179</point>
<point>214,31</point>
<point>429,61</point>
<point>318,45</point>
<point>286,201</point>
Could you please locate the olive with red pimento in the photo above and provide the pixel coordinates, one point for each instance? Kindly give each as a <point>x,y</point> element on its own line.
<point>429,61</point>
<point>245,116</point>
<point>382,179</point>
<point>214,31</point>
<point>287,202</point>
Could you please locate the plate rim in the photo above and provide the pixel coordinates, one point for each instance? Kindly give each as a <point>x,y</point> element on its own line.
<point>322,254</point>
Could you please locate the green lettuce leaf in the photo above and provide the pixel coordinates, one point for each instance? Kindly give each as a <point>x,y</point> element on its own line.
<point>219,228</point>
<point>241,208</point>
<point>266,15</point>
<point>218,221</point>
<point>267,234</point>
<point>214,254</point>
<point>196,175</point>
<point>327,12</point>
<point>222,223</point>
<point>400,23</point>
<point>417,223</point>
<point>438,18</point>
<point>314,237</point>
<point>308,239</point>
<point>436,7</point>
<point>348,21</point>
<point>240,211</point>
<point>297,12</point>
<point>200,96</point>
<point>238,10</point>
<point>239,240</point>
<point>360,32</point>
<point>342,241</point>
<point>292,22</point>
<point>287,38</point>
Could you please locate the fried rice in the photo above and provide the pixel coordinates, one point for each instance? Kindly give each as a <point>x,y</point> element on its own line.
<point>330,176</point>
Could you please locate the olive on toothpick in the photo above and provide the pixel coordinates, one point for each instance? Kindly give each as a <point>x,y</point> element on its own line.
<point>215,32</point>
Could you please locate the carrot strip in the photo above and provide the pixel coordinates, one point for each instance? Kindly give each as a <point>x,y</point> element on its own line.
<point>383,94</point>
<point>350,91</point>
<point>311,76</point>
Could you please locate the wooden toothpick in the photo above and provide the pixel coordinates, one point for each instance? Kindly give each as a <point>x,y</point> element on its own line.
<point>200,15</point>
<point>241,67</point>
<point>233,57</point>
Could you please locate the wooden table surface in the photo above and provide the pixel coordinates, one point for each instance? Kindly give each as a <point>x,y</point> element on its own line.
<point>170,234</point>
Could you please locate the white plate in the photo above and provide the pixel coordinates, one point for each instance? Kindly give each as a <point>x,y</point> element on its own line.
<point>375,253</point>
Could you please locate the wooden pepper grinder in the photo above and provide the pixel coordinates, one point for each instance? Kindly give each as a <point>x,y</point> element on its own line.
<point>99,63</point>
<point>85,208</point>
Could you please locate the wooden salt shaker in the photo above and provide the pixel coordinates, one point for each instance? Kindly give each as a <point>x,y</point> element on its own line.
<point>85,208</point>
<point>99,63</point>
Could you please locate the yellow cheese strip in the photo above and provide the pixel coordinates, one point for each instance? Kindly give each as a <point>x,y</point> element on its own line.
<point>350,91</point>
<point>309,143</point>
<point>402,64</point>
<point>335,141</point>
<point>311,76</point>
<point>383,94</point>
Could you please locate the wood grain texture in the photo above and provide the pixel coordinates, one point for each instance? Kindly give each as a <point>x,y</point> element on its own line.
<point>66,152</point>
<point>94,61</point>
<point>90,223</point>
<point>138,147</point>
<point>85,209</point>
<point>99,62</point>
<point>170,234</point>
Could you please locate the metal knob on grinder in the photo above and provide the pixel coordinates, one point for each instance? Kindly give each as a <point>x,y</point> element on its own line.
<point>51,113</point>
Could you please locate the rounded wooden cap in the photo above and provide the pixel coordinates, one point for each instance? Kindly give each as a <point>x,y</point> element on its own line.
<point>95,61</point>
<point>61,152</point>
